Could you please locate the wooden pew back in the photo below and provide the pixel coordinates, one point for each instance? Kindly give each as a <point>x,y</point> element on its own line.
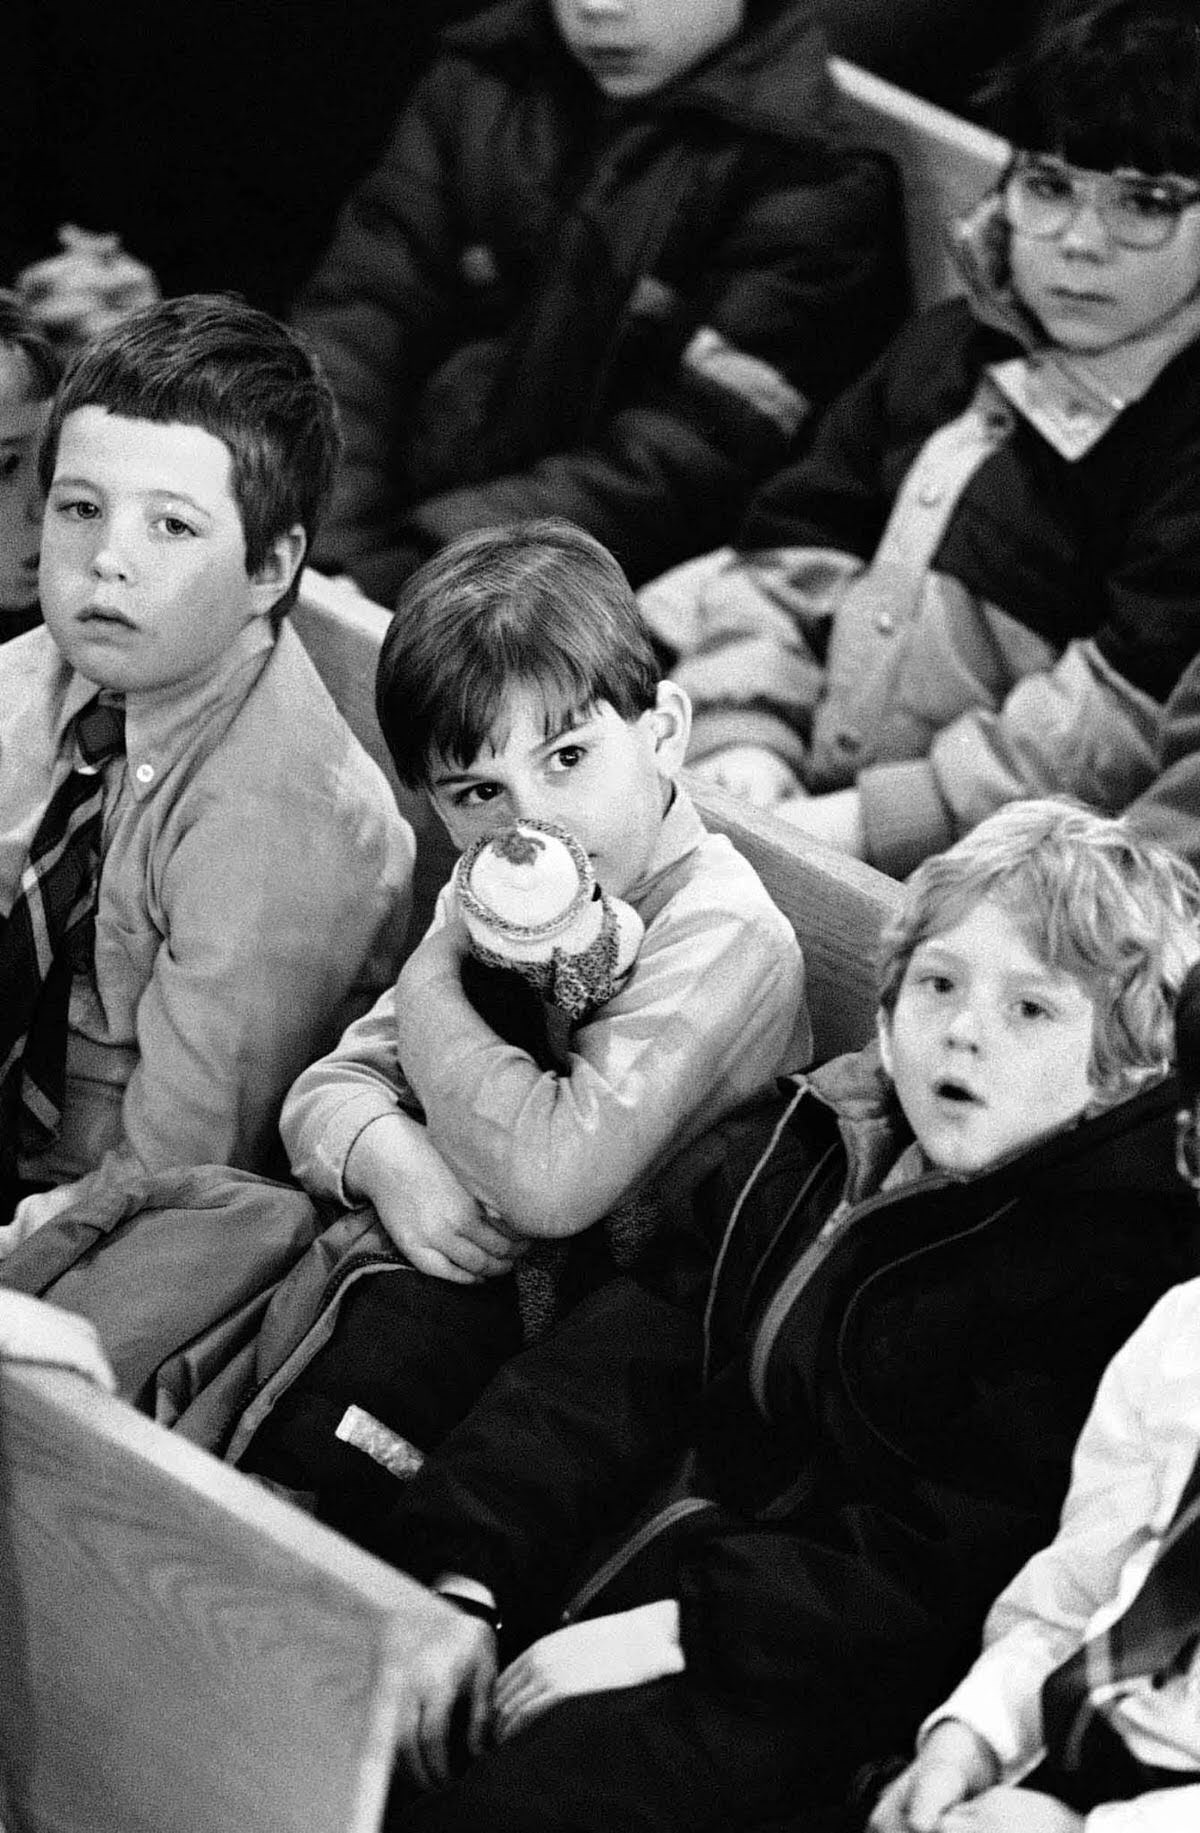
<point>945,163</point>
<point>835,905</point>
<point>180,1651</point>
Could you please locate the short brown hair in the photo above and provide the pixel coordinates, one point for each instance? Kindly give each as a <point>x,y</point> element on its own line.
<point>538,603</point>
<point>212,361</point>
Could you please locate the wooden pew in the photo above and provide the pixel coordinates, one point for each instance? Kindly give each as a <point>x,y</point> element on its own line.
<point>945,163</point>
<point>180,1651</point>
<point>836,905</point>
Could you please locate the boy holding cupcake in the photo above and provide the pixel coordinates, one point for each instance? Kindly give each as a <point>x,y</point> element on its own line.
<point>518,687</point>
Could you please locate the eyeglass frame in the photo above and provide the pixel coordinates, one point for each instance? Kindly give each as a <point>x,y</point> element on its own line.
<point>1097,190</point>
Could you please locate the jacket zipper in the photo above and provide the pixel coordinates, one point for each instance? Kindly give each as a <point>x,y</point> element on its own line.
<point>658,1524</point>
<point>776,1312</point>
<point>764,1158</point>
<point>301,1354</point>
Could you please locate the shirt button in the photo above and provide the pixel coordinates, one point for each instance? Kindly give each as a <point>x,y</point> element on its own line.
<point>930,495</point>
<point>885,621</point>
<point>144,773</point>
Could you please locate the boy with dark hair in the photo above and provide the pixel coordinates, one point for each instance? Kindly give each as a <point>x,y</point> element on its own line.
<point>719,1603</point>
<point>517,685</point>
<point>614,255</point>
<point>185,819</point>
<point>29,372</point>
<point>983,582</point>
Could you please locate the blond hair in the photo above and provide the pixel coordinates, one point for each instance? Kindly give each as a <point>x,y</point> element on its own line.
<point>1120,914</point>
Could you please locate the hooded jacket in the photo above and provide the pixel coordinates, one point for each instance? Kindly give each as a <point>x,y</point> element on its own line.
<point>869,1433</point>
<point>546,302</point>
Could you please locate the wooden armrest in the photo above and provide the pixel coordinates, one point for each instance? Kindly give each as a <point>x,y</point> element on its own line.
<point>182,1652</point>
<point>837,906</point>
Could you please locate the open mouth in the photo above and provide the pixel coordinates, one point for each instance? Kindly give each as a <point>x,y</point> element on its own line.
<point>956,1092</point>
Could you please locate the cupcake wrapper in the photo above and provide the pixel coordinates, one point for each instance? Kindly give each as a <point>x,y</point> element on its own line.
<point>576,983</point>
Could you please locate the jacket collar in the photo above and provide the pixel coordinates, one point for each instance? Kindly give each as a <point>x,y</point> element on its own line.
<point>771,79</point>
<point>874,1131</point>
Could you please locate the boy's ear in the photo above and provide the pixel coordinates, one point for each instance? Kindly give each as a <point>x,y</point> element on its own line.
<point>883,1030</point>
<point>284,559</point>
<point>671,725</point>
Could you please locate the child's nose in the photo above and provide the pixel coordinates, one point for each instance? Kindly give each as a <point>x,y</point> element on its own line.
<point>966,1027</point>
<point>1085,232</point>
<point>108,561</point>
<point>527,802</point>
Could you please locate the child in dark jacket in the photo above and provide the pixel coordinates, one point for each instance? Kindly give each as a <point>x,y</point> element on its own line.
<point>721,1598</point>
<point>1080,1716</point>
<point>984,580</point>
<point>612,257</point>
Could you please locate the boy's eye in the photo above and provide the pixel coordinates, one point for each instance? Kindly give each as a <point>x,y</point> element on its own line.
<point>10,464</point>
<point>475,795</point>
<point>936,982</point>
<point>566,757</point>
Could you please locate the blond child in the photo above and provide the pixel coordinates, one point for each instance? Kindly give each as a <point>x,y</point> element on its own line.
<point>923,1265</point>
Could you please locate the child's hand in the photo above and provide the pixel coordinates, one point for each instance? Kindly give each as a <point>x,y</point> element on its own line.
<point>435,1681</point>
<point>953,1765</point>
<point>593,1657</point>
<point>87,288</point>
<point>1012,1810</point>
<point>752,771</point>
<point>32,1331</point>
<point>433,1220</point>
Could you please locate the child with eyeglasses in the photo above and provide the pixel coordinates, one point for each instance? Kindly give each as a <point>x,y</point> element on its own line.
<point>983,581</point>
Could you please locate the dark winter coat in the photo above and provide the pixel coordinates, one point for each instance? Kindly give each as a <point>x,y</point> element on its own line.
<point>545,302</point>
<point>885,1429</point>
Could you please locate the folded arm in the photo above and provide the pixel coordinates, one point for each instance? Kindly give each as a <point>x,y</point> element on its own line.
<point>711,1003</point>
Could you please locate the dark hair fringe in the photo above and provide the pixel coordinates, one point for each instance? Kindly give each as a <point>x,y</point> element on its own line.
<point>1105,83</point>
<point>538,604</point>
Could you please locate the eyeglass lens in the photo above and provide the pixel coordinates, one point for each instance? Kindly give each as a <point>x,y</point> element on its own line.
<point>1136,212</point>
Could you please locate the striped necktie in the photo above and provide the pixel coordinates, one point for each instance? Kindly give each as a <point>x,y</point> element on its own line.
<point>1153,1638</point>
<point>50,932</point>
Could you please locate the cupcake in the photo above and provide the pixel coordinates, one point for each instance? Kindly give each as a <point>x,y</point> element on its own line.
<point>529,898</point>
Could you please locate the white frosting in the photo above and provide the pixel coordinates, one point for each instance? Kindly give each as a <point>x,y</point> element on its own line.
<point>527,893</point>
